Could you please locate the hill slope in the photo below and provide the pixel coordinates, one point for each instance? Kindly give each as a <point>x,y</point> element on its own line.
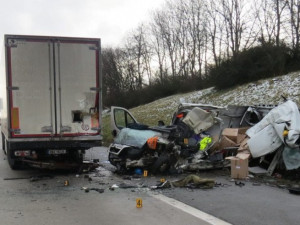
<point>267,91</point>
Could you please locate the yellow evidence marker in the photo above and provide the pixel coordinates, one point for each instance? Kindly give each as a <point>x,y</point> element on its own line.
<point>66,183</point>
<point>139,203</point>
<point>145,173</point>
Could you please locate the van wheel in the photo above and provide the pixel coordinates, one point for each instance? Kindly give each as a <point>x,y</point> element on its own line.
<point>161,165</point>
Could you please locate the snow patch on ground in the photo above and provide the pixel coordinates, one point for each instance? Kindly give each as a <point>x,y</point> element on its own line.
<point>268,91</point>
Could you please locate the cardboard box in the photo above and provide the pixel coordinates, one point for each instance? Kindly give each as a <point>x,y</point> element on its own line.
<point>242,134</point>
<point>243,130</point>
<point>231,133</point>
<point>239,168</point>
<point>243,154</point>
<point>237,135</point>
<point>226,142</point>
<point>244,145</point>
<point>241,138</point>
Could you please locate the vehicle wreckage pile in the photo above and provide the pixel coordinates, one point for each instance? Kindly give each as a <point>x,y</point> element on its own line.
<point>208,137</point>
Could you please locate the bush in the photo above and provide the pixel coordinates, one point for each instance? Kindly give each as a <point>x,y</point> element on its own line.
<point>251,65</point>
<point>156,90</point>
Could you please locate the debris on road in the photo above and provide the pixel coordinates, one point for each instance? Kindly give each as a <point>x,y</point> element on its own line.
<point>191,181</point>
<point>32,178</point>
<point>86,189</point>
<point>194,181</point>
<point>81,166</point>
<point>294,190</point>
<point>203,137</point>
<point>239,183</point>
<point>125,186</point>
<point>113,187</point>
<point>16,178</point>
<point>100,190</point>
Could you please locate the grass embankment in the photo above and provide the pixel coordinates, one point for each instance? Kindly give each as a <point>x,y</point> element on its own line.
<point>268,91</point>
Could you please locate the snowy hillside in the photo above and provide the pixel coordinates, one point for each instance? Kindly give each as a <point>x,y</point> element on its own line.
<point>264,92</point>
<point>267,91</point>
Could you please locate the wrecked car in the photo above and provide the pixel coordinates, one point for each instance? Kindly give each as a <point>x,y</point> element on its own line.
<point>199,137</point>
<point>139,146</point>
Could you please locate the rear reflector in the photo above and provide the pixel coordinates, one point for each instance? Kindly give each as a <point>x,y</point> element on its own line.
<point>15,122</point>
<point>22,153</point>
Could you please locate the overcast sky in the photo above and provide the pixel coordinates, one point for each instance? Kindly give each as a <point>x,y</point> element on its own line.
<point>109,20</point>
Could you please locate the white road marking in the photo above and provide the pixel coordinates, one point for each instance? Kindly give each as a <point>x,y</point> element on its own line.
<point>190,210</point>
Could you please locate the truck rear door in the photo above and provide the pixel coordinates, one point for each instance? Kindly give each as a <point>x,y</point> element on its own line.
<point>30,79</point>
<point>53,86</point>
<point>77,87</point>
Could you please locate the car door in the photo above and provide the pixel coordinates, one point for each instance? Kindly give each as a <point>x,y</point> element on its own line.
<point>120,118</point>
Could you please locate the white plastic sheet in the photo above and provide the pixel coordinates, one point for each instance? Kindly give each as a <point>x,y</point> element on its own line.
<point>291,158</point>
<point>267,135</point>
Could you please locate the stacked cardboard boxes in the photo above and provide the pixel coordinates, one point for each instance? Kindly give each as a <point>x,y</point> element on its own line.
<point>236,137</point>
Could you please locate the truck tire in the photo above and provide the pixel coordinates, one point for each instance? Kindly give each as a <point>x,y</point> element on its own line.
<point>3,143</point>
<point>14,164</point>
<point>76,156</point>
<point>161,165</point>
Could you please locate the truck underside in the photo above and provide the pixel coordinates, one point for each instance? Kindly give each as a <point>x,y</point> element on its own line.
<point>66,154</point>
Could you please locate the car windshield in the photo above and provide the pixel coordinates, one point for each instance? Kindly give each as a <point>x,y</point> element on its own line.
<point>134,137</point>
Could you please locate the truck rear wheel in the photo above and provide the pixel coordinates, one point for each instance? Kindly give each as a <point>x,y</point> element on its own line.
<point>14,164</point>
<point>3,143</point>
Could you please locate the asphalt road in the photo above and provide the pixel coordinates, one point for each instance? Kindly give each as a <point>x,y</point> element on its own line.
<point>259,203</point>
<point>48,201</point>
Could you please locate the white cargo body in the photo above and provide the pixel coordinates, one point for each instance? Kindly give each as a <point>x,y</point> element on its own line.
<point>52,98</point>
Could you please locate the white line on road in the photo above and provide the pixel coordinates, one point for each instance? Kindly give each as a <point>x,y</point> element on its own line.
<point>190,210</point>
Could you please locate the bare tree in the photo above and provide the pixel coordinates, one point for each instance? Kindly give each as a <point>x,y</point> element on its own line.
<point>158,43</point>
<point>136,47</point>
<point>279,7</point>
<point>112,78</point>
<point>215,31</point>
<point>269,14</point>
<point>294,10</point>
<point>197,29</point>
<point>231,11</point>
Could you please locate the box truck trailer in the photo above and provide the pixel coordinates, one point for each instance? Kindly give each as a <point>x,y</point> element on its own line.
<point>51,99</point>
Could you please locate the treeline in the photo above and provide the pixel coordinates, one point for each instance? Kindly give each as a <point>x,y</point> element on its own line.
<point>194,44</point>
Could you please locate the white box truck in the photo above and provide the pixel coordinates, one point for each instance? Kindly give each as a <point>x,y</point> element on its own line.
<point>52,101</point>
